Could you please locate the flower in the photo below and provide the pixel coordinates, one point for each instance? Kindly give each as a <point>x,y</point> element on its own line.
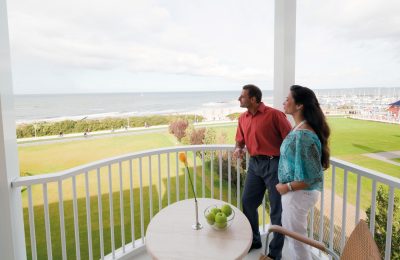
<point>183,159</point>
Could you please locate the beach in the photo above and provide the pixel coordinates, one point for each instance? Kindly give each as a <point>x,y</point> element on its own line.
<point>212,105</point>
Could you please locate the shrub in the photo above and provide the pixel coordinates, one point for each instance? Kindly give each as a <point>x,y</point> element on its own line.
<point>382,200</point>
<point>222,138</point>
<point>197,136</point>
<point>71,126</point>
<point>234,116</point>
<point>178,128</point>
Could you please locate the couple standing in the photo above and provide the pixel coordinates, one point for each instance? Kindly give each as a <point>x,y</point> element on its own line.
<point>287,162</point>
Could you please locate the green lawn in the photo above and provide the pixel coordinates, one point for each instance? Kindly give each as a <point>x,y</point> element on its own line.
<point>396,160</point>
<point>83,236</point>
<point>350,139</point>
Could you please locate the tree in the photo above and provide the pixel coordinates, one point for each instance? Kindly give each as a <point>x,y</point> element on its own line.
<point>178,128</point>
<point>193,136</point>
<point>234,116</point>
<point>382,201</point>
<point>197,136</point>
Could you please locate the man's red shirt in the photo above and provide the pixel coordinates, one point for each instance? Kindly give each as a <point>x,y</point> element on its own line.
<point>263,132</point>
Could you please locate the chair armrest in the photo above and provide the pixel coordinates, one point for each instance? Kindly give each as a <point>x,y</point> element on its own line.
<point>301,238</point>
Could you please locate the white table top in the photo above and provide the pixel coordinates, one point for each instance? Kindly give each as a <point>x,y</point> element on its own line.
<point>170,235</point>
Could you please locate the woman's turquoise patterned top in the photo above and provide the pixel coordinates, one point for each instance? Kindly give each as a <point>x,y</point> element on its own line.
<point>301,159</point>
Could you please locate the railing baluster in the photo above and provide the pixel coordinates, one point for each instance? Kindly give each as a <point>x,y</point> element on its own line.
<point>47,222</point>
<point>238,182</point>
<point>62,223</point>
<point>186,180</point>
<point>32,224</point>
<point>332,217</point>
<point>344,212</point>
<point>159,184</point>
<point>111,202</point>
<point>229,177</point>
<point>220,174</point>
<point>389,225</point>
<point>141,200</point>
<point>311,234</point>
<point>121,207</point>
<point>203,178</point>
<point>177,175</point>
<point>150,188</point>
<point>194,172</point>
<point>263,213</point>
<point>373,209</point>
<point>358,196</point>
<point>321,213</point>
<point>247,160</point>
<point>76,220</point>
<point>88,218</point>
<point>186,183</point>
<point>168,179</point>
<point>212,174</point>
<point>131,203</point>
<point>100,209</point>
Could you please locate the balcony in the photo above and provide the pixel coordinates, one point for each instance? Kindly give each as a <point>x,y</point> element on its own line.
<point>101,210</point>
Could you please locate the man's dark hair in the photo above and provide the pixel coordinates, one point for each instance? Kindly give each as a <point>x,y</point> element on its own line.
<point>253,91</point>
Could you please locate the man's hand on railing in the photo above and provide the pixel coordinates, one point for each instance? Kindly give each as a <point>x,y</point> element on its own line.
<point>239,153</point>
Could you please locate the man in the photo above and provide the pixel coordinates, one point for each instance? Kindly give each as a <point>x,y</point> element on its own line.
<point>261,129</point>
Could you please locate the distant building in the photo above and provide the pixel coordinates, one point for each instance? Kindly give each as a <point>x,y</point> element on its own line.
<point>394,108</point>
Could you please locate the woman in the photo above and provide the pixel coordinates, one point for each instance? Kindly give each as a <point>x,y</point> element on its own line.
<point>304,156</point>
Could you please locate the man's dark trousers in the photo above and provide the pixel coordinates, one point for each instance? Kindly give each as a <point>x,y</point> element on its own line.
<point>262,174</point>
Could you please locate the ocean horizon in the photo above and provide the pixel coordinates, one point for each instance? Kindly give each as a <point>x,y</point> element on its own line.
<point>56,107</point>
<point>31,108</point>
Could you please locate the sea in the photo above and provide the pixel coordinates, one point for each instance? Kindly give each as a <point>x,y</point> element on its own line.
<point>57,107</point>
<point>214,105</point>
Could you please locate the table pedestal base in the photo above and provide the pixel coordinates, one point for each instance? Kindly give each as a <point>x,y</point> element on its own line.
<point>197,226</point>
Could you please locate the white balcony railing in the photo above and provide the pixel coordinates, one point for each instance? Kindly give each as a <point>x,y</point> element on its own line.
<point>112,224</point>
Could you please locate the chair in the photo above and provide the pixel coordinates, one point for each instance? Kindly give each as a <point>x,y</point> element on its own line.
<point>360,245</point>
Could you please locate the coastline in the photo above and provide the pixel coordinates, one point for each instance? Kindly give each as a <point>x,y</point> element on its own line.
<point>212,113</point>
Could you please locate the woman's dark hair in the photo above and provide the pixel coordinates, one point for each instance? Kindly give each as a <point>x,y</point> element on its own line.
<point>315,118</point>
<point>253,91</point>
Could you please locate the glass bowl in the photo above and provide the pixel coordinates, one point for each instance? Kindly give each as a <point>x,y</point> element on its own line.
<point>219,224</point>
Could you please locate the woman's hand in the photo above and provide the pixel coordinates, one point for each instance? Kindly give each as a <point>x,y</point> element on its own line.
<point>282,188</point>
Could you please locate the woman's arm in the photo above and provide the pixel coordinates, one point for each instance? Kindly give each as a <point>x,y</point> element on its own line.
<point>295,185</point>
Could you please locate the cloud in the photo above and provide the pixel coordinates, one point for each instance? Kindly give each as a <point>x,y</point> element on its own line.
<point>348,43</point>
<point>338,42</point>
<point>356,19</point>
<point>139,36</point>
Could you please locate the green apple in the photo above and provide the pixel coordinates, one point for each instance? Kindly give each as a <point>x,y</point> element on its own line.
<point>210,218</point>
<point>226,209</point>
<point>215,211</point>
<point>220,220</point>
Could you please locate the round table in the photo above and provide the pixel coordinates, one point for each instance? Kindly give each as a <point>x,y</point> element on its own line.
<point>170,235</point>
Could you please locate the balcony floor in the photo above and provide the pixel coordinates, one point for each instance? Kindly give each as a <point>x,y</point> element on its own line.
<point>253,255</point>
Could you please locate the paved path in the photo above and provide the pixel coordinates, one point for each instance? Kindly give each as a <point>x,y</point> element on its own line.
<point>108,133</point>
<point>385,156</point>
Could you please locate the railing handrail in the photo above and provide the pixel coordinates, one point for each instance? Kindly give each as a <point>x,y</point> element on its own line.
<point>375,175</point>
<point>61,175</point>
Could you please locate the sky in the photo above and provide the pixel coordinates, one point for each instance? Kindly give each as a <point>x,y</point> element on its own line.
<point>81,46</point>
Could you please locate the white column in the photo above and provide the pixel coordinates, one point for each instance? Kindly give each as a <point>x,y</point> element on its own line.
<point>12,238</point>
<point>284,49</point>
